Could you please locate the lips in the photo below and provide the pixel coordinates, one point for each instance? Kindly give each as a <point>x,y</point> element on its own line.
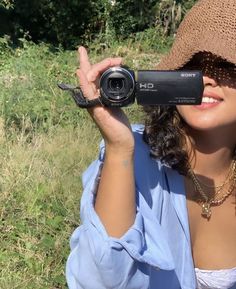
<point>209,100</point>
<point>211,97</point>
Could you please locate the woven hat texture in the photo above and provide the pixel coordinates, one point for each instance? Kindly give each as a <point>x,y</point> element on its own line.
<point>209,26</point>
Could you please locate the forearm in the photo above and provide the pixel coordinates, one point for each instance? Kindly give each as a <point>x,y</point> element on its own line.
<point>115,201</point>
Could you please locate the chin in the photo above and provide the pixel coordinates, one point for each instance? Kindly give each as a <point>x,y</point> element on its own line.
<point>211,125</point>
<point>201,122</point>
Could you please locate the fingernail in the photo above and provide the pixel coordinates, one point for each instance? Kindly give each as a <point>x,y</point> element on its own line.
<point>80,49</point>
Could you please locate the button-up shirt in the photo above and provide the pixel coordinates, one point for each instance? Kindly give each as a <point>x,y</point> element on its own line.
<point>155,252</point>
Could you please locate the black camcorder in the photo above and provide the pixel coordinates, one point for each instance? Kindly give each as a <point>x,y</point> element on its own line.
<point>120,87</point>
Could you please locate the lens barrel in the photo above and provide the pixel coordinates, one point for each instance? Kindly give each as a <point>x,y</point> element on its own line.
<point>117,87</point>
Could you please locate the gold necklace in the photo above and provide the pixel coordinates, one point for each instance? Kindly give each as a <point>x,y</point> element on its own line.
<point>219,187</point>
<point>207,202</point>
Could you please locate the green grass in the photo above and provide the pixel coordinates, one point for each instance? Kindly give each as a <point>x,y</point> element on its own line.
<point>40,192</point>
<point>45,145</point>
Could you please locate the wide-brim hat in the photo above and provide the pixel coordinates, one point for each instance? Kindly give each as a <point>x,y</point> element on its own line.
<point>210,26</point>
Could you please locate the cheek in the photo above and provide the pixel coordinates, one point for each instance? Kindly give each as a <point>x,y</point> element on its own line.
<point>197,119</point>
<point>189,116</point>
<point>184,111</point>
<point>230,93</point>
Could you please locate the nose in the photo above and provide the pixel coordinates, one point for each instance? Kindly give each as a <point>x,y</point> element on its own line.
<point>209,81</point>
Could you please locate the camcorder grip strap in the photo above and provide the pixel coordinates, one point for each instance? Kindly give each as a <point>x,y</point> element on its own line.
<point>78,96</point>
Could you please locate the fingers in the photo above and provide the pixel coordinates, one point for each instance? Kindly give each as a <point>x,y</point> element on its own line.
<point>89,74</point>
<point>84,60</point>
<point>94,71</point>
<point>89,91</point>
<point>100,67</point>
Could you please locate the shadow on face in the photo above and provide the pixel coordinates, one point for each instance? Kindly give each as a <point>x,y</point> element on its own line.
<point>215,67</point>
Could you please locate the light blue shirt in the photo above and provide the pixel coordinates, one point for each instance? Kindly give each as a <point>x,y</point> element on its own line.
<point>154,253</point>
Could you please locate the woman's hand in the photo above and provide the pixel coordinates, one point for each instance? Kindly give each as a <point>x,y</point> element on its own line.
<point>115,198</point>
<point>112,122</point>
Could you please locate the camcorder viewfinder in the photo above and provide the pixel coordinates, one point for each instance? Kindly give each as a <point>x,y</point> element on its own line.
<point>120,87</point>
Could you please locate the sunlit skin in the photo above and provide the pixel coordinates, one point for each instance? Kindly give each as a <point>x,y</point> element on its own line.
<point>212,125</point>
<point>222,114</point>
<point>220,86</point>
<point>211,129</point>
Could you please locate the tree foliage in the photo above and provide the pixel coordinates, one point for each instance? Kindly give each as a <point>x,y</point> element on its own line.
<point>70,23</point>
<point>54,21</point>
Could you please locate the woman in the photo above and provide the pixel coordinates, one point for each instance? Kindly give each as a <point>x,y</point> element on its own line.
<point>165,220</point>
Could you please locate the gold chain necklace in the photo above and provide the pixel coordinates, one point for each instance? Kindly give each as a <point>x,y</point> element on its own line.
<point>207,202</point>
<point>221,186</point>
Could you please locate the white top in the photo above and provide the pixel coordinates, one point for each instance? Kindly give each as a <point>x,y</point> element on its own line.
<point>215,279</point>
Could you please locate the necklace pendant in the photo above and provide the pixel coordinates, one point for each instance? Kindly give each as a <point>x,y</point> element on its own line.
<point>206,210</point>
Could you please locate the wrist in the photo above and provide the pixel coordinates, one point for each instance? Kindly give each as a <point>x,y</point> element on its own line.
<point>118,152</point>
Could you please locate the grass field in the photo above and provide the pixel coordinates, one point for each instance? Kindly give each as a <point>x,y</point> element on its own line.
<point>45,145</point>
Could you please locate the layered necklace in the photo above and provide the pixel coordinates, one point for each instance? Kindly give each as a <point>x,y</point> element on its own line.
<point>222,191</point>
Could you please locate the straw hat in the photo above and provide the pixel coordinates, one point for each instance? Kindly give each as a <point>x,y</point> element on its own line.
<point>209,26</point>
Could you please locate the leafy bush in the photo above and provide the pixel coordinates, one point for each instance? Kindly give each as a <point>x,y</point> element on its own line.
<point>53,21</point>
<point>5,49</point>
<point>75,22</point>
<point>130,16</point>
<point>30,99</point>
<point>169,14</point>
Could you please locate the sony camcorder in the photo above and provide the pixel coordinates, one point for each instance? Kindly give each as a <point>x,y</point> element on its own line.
<point>120,87</point>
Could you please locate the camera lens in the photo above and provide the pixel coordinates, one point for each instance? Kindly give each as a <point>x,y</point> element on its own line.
<point>116,84</point>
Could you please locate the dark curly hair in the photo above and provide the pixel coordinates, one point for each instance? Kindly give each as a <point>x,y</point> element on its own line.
<point>165,134</point>
<point>166,131</point>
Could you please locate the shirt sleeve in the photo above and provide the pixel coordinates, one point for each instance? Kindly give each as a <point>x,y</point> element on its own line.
<point>100,261</point>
